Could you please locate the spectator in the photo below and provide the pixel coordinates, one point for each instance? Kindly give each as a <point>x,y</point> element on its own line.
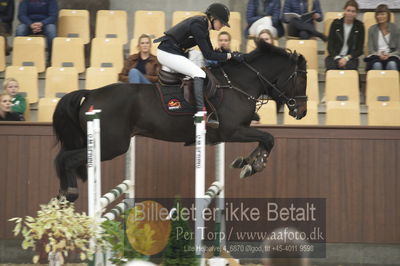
<point>346,40</point>
<point>5,109</point>
<point>38,17</point>
<point>6,20</point>
<point>266,36</point>
<point>264,14</point>
<point>383,42</point>
<point>142,67</point>
<point>18,103</point>
<point>224,45</point>
<point>301,15</point>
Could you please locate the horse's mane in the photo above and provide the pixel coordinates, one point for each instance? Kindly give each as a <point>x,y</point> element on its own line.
<point>264,48</point>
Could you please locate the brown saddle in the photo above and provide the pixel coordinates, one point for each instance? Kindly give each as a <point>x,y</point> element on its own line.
<point>178,79</point>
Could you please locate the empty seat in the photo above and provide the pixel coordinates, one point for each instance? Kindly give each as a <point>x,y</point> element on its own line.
<point>382,83</point>
<point>329,17</point>
<point>133,47</point>
<point>27,78</point>
<point>112,24</point>
<point>342,84</point>
<point>97,77</point>
<point>235,30</point>
<point>384,114</point>
<point>342,113</point>
<point>68,52</point>
<point>268,114</point>
<point>310,119</point>
<point>149,22</point>
<point>29,51</point>
<point>74,23</point>
<point>2,54</point>
<point>312,85</point>
<point>308,48</point>
<point>60,80</point>
<point>46,109</point>
<point>107,53</point>
<point>178,16</point>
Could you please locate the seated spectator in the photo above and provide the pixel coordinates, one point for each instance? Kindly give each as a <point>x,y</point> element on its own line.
<point>142,67</point>
<point>383,42</point>
<point>6,20</point>
<point>266,36</point>
<point>346,40</point>
<point>18,103</point>
<point>301,16</point>
<point>224,45</point>
<point>264,14</point>
<point>5,109</point>
<point>38,17</point>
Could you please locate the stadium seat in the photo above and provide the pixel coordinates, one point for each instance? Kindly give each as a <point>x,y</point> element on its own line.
<point>329,17</point>
<point>268,113</point>
<point>384,114</point>
<point>60,80</point>
<point>2,54</point>
<point>149,22</point>
<point>310,119</point>
<point>29,51</point>
<point>308,48</point>
<point>341,84</point>
<point>235,30</point>
<point>112,24</point>
<point>68,52</point>
<point>107,53</point>
<point>74,23</point>
<point>342,113</point>
<point>46,109</point>
<point>382,83</point>
<point>178,16</point>
<point>312,85</point>
<point>28,81</point>
<point>97,77</point>
<point>134,50</point>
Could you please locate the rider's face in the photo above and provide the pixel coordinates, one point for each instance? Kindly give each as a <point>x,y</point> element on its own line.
<point>217,24</point>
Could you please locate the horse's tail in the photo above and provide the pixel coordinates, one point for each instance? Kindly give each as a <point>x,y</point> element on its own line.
<point>66,124</point>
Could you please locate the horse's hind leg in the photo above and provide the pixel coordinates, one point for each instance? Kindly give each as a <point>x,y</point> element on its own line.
<point>257,160</point>
<point>71,164</point>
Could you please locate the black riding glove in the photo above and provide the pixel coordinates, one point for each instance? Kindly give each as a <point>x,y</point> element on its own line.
<point>238,57</point>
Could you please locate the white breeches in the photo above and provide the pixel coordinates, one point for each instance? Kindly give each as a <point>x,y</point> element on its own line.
<point>261,24</point>
<point>178,63</point>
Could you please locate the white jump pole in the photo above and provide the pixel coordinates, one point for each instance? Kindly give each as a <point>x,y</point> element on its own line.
<point>200,122</point>
<point>220,201</point>
<point>130,163</point>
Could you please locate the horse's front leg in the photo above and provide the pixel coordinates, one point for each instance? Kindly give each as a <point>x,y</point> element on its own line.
<point>257,160</point>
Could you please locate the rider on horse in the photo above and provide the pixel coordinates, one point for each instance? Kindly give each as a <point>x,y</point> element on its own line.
<point>172,51</point>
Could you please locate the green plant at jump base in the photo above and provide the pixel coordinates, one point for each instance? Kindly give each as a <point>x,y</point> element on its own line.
<point>180,250</point>
<point>114,234</point>
<point>58,229</point>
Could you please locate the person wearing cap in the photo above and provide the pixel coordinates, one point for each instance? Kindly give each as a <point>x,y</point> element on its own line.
<point>172,51</point>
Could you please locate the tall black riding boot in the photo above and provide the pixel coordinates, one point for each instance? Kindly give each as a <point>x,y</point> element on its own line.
<point>199,97</point>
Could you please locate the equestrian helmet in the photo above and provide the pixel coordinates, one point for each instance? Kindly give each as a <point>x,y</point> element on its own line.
<point>219,11</point>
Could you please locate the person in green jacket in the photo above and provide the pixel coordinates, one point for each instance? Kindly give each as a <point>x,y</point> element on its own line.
<point>11,86</point>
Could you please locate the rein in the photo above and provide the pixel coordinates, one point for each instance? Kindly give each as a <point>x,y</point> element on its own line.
<point>291,102</point>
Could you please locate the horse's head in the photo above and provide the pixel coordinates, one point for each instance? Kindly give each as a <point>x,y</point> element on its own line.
<point>284,74</point>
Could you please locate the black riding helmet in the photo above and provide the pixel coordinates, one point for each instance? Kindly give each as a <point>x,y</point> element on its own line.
<point>219,11</point>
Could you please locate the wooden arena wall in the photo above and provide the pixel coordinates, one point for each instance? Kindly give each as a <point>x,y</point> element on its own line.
<point>357,169</point>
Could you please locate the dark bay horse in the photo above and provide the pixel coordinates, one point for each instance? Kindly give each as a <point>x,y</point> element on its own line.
<point>136,110</point>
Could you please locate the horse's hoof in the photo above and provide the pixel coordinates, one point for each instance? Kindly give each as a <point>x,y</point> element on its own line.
<point>247,170</point>
<point>239,162</point>
<point>72,194</point>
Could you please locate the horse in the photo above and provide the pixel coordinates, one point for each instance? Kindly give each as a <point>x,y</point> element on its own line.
<point>136,110</point>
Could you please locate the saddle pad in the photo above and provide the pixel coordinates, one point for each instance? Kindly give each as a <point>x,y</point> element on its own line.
<point>173,100</point>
